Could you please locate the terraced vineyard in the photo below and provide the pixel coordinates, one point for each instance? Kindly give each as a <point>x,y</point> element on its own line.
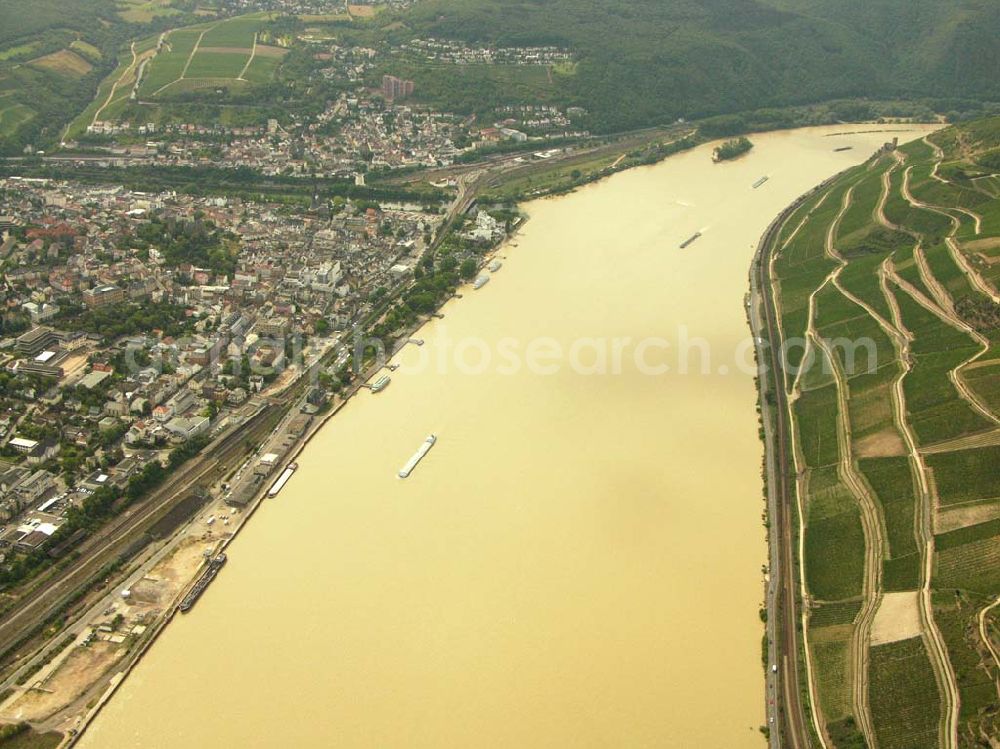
<point>159,76</point>
<point>219,54</point>
<point>888,279</point>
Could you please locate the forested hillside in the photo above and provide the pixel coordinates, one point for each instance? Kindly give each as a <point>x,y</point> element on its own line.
<point>946,49</point>
<point>53,55</point>
<point>634,64</point>
<point>649,61</point>
<point>23,19</point>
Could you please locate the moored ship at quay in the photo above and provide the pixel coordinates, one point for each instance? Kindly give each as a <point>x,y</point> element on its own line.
<point>278,485</point>
<point>216,564</point>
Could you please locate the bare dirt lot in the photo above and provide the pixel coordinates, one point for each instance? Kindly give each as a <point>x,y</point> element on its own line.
<point>897,618</point>
<point>362,11</point>
<point>64,62</point>
<point>74,367</point>
<point>264,50</point>
<point>70,680</point>
<point>65,681</point>
<point>885,444</point>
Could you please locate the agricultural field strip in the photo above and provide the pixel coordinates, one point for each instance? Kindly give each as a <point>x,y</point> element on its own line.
<point>941,663</point>
<point>114,86</point>
<point>984,288</point>
<point>805,218</point>
<point>887,327</point>
<point>253,53</point>
<point>870,516</point>
<point>974,278</point>
<point>963,443</point>
<point>905,698</point>
<point>920,299</point>
<point>947,316</point>
<point>776,283</point>
<point>940,295</point>
<point>858,648</point>
<point>954,375</point>
<point>871,523</point>
<point>980,283</point>
<point>938,158</point>
<point>140,56</point>
<point>924,514</point>
<point>937,300</point>
<point>194,51</point>
<point>927,279</point>
<point>880,214</point>
<point>197,48</point>
<point>794,392</point>
<point>800,489</point>
<point>943,671</point>
<point>187,64</point>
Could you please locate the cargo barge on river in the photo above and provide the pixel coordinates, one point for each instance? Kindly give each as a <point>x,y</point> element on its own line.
<point>278,485</point>
<point>417,456</point>
<point>207,576</point>
<point>690,240</point>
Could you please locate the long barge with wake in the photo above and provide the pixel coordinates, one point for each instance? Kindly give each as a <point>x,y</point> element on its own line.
<point>690,240</point>
<point>207,577</point>
<point>424,448</point>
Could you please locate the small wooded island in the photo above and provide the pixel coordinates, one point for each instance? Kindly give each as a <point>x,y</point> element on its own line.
<point>731,149</point>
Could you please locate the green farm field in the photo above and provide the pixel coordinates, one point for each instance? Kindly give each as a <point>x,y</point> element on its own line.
<point>904,698</point>
<point>213,55</point>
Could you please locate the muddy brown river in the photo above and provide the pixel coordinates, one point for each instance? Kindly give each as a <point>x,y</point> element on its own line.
<point>577,560</point>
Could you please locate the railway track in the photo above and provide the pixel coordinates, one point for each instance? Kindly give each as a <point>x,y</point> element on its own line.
<point>49,595</point>
<point>792,726</point>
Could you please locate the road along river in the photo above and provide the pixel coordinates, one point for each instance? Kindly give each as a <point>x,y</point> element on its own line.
<point>576,562</point>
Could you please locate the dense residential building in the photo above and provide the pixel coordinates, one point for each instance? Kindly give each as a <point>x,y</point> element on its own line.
<point>37,340</point>
<point>394,88</point>
<point>103,295</point>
